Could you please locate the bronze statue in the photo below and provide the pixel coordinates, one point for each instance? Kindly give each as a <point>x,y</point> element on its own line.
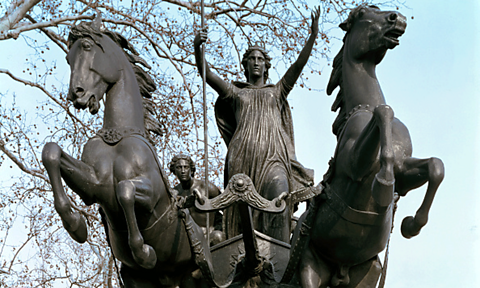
<point>336,242</point>
<point>184,168</point>
<point>352,220</point>
<point>255,121</point>
<point>119,168</point>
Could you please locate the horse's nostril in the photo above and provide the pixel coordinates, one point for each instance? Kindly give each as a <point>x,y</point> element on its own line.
<point>79,90</point>
<point>393,17</point>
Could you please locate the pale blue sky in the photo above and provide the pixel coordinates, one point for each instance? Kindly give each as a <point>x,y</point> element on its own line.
<point>430,81</point>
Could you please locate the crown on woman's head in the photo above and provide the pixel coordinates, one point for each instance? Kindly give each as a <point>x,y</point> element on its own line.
<point>258,45</point>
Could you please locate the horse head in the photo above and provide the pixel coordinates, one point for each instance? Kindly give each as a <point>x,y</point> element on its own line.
<point>95,63</point>
<point>371,32</point>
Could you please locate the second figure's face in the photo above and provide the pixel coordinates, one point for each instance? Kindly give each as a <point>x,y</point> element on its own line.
<point>182,170</point>
<point>255,65</point>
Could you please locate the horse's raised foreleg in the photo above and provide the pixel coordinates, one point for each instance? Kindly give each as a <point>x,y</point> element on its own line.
<point>376,137</point>
<point>383,184</point>
<point>59,164</point>
<point>126,192</point>
<point>413,174</point>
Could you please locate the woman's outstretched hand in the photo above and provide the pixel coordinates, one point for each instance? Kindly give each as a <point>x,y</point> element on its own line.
<point>200,38</point>
<point>315,17</point>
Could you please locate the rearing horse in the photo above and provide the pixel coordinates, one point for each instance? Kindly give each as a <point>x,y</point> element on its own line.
<point>352,222</point>
<point>119,168</point>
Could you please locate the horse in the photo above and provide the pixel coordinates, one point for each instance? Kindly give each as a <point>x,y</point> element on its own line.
<point>371,168</point>
<point>119,167</point>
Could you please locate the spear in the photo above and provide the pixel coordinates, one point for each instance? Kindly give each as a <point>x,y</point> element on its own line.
<point>205,126</point>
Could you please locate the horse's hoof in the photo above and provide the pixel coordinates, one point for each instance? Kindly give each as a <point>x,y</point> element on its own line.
<point>76,227</point>
<point>147,258</point>
<point>409,227</point>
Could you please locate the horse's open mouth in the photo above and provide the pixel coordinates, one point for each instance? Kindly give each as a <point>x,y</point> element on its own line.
<point>92,104</point>
<point>394,34</point>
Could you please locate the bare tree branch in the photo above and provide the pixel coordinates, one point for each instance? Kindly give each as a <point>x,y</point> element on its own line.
<point>60,41</point>
<point>14,33</point>
<point>30,237</point>
<point>33,172</point>
<point>36,85</point>
<point>15,12</point>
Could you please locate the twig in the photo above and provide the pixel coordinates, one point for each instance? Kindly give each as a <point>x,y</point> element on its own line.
<point>36,85</point>
<point>14,33</point>
<point>33,172</point>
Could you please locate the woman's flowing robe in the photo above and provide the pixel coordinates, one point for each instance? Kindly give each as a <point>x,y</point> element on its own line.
<point>256,124</point>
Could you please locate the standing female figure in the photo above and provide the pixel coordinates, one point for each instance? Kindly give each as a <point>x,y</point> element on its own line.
<point>255,121</point>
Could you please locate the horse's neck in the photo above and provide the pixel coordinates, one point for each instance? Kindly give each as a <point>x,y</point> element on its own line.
<point>123,104</point>
<point>360,82</point>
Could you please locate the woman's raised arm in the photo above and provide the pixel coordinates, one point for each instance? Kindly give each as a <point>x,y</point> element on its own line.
<point>295,70</point>
<point>217,83</point>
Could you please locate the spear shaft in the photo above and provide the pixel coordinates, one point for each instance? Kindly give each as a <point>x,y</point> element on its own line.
<point>205,126</point>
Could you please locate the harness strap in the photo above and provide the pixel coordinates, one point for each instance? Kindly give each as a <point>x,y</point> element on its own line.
<point>112,136</point>
<point>350,214</point>
<point>170,212</point>
<point>304,194</point>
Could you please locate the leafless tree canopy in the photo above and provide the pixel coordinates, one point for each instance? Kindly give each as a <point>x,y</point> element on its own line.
<point>34,249</point>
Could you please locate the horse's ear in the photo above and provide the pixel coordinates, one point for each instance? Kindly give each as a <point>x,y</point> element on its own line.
<point>344,25</point>
<point>97,22</point>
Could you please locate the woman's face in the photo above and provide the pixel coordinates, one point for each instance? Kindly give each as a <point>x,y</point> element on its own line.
<point>255,65</point>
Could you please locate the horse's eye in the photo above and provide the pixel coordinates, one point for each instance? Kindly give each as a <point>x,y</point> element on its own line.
<point>87,45</point>
<point>361,12</point>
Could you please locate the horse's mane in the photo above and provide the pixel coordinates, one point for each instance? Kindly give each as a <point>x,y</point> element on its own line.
<point>336,78</point>
<point>146,84</point>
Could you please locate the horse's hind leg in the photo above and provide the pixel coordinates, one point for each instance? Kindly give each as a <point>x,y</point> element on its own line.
<point>413,174</point>
<point>313,272</point>
<point>143,254</point>
<point>365,275</point>
<point>59,164</point>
